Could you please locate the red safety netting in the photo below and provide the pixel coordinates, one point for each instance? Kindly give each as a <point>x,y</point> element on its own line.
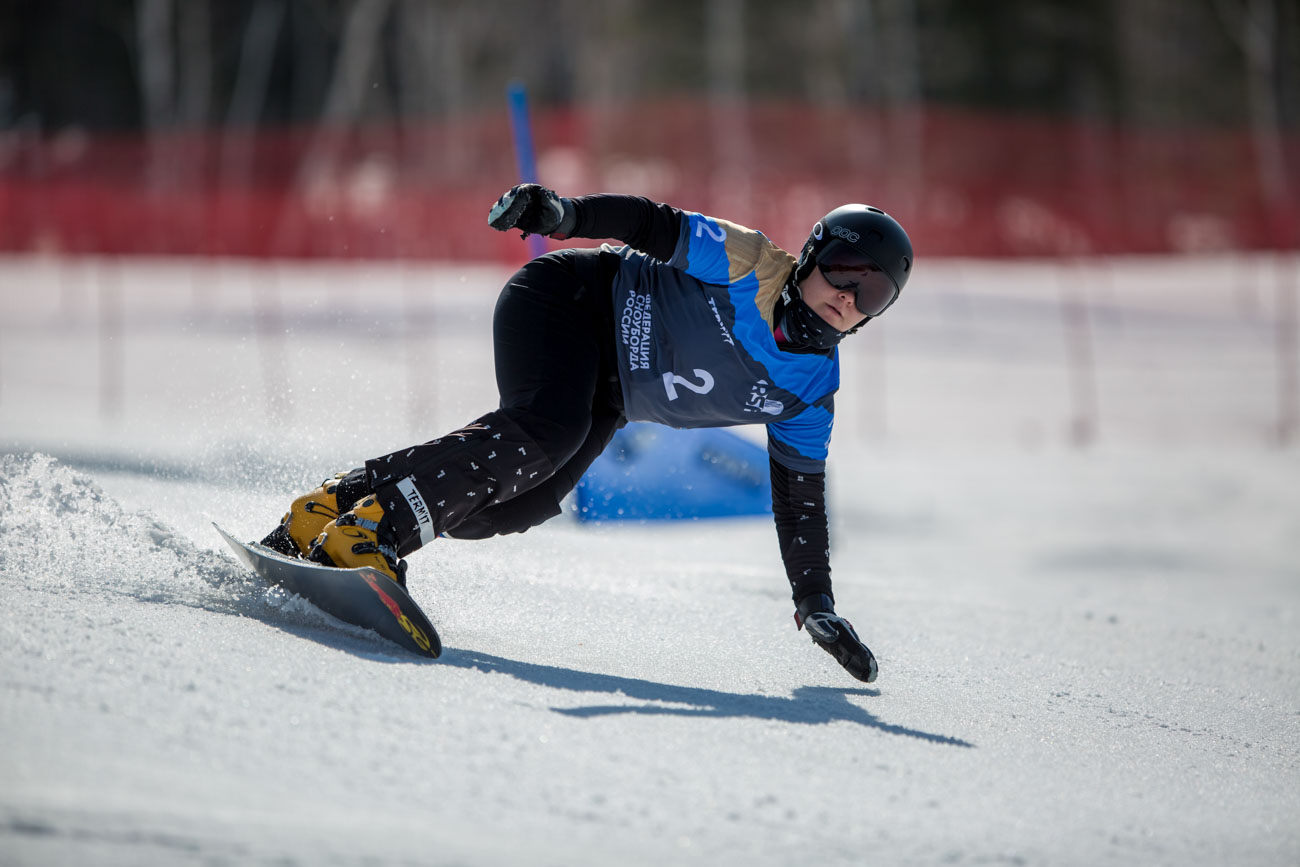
<point>962,183</point>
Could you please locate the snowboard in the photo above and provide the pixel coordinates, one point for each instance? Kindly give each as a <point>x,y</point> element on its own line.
<point>363,597</point>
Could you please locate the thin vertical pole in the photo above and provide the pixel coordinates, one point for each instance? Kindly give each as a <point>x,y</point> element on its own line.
<point>873,410</point>
<point>1079,358</point>
<point>270,340</point>
<point>1288,377</point>
<point>422,380</point>
<point>111,362</point>
<point>521,128</point>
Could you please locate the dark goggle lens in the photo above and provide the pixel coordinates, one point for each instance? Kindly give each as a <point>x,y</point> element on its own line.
<point>849,271</point>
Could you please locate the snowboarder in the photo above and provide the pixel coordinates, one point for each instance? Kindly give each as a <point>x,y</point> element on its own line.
<point>692,322</point>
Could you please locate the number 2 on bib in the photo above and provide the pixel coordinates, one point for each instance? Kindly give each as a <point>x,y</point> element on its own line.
<point>715,232</point>
<point>672,380</point>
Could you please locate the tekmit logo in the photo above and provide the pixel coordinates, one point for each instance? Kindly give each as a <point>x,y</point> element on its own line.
<point>717,314</point>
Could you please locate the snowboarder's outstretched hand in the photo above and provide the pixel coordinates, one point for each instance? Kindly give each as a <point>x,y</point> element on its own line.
<point>533,210</point>
<point>835,635</point>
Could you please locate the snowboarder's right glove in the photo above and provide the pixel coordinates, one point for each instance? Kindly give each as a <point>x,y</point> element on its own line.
<point>835,635</point>
<point>533,210</point>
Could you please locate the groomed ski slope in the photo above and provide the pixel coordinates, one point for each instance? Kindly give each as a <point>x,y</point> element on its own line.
<point>1087,656</point>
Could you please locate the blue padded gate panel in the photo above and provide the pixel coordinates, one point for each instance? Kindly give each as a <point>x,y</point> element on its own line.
<point>651,472</point>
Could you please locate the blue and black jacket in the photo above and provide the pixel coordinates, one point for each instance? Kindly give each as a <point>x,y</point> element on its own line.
<point>695,303</point>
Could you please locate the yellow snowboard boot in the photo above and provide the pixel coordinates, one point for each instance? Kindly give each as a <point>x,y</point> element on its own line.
<point>305,520</point>
<point>360,537</point>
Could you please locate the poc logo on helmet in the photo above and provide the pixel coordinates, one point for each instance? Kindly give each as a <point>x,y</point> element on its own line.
<point>845,233</point>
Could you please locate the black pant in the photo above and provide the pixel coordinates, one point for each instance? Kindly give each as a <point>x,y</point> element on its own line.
<point>553,340</point>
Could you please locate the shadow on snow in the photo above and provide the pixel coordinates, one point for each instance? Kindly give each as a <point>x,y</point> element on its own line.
<point>808,704</point>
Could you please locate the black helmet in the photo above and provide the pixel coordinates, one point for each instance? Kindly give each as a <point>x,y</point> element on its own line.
<point>858,248</point>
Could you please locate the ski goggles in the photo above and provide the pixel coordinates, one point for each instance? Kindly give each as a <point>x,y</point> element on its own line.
<point>849,271</point>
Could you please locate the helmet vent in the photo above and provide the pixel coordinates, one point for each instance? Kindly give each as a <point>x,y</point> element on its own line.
<point>874,210</point>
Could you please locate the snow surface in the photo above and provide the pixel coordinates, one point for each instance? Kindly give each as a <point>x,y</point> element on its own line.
<point>1088,656</point>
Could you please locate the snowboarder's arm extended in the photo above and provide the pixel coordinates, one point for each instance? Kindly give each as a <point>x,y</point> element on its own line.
<point>799,509</point>
<point>642,224</point>
<point>711,250</point>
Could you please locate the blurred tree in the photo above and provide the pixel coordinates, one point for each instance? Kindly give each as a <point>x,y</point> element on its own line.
<point>70,63</point>
<point>194,93</point>
<point>114,64</point>
<point>1253,25</point>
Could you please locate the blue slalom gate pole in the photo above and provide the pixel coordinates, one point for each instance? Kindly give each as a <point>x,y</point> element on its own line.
<point>521,128</point>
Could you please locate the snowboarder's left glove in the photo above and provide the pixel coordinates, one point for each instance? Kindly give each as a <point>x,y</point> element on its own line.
<point>835,635</point>
<point>534,210</point>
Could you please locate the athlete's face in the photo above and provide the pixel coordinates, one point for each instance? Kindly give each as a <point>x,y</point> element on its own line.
<point>834,306</point>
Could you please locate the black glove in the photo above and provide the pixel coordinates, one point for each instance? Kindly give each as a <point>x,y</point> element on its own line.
<point>835,635</point>
<point>534,210</point>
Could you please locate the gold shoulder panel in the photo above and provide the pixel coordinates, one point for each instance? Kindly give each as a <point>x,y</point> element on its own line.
<point>747,251</point>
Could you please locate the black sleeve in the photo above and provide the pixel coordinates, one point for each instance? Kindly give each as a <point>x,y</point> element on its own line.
<point>640,223</point>
<point>799,507</point>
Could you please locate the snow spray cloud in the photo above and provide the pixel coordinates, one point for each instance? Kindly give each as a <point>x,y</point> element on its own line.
<point>59,531</point>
